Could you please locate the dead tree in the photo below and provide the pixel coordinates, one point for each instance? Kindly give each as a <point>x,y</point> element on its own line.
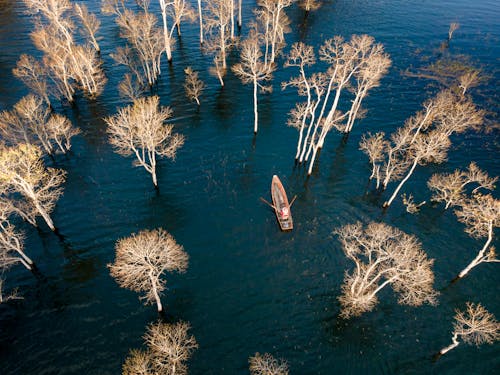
<point>176,11</point>
<point>266,364</point>
<point>139,362</point>
<point>139,129</point>
<point>11,296</point>
<point>11,241</point>
<point>301,56</point>
<point>23,173</point>
<point>141,260</point>
<point>383,255</point>
<point>468,80</point>
<point>252,69</point>
<point>193,85</point>
<point>67,63</point>
<point>218,38</point>
<point>274,24</point>
<point>451,187</point>
<point>454,26</point>
<point>310,5</point>
<point>375,65</point>
<point>34,75</point>
<point>374,147</point>
<point>31,122</point>
<point>170,346</point>
<point>474,326</point>
<point>145,41</point>
<point>480,214</point>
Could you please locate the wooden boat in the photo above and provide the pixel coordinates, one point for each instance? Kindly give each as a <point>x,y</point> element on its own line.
<point>281,205</point>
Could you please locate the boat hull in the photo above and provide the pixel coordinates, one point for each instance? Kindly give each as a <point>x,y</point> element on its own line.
<point>281,205</point>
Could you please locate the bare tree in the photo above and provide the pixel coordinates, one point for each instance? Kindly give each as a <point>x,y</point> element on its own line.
<point>374,146</point>
<point>451,187</point>
<point>140,130</point>
<point>12,295</point>
<point>310,5</point>
<point>193,85</point>
<point>139,362</point>
<point>90,23</point>
<point>474,326</point>
<point>11,241</point>
<point>454,26</point>
<point>468,80</point>
<point>252,69</point>
<point>142,259</point>
<point>411,206</point>
<point>31,122</point>
<point>480,214</point>
<point>218,38</point>
<point>171,346</point>
<point>145,41</point>
<point>274,24</point>
<point>301,56</point>
<point>266,364</point>
<point>23,172</point>
<point>383,255</point>
<point>34,76</point>
<point>66,62</point>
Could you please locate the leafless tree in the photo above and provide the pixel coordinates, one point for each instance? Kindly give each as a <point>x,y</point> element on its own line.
<point>11,241</point>
<point>171,346</point>
<point>176,11</point>
<point>34,76</point>
<point>375,65</point>
<point>310,5</point>
<point>23,172</point>
<point>383,255</point>
<point>139,129</point>
<point>480,214</point>
<point>374,146</point>
<point>130,88</point>
<point>301,56</point>
<point>266,364</point>
<point>273,24</point>
<point>218,38</point>
<point>454,26</point>
<point>145,40</point>
<point>12,295</point>
<point>31,122</point>
<point>139,362</point>
<point>469,79</point>
<point>193,85</point>
<point>252,69</point>
<point>67,62</point>
<point>90,23</point>
<point>451,187</point>
<point>474,326</point>
<point>411,206</point>
<point>142,259</point>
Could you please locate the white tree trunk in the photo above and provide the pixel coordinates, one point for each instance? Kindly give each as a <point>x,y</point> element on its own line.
<point>239,17</point>
<point>255,109</point>
<point>388,203</point>
<point>166,36</point>
<point>480,256</point>
<point>201,21</point>
<point>45,216</point>
<point>452,346</point>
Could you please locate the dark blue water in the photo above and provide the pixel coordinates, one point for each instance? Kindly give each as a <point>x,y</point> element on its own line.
<point>250,287</point>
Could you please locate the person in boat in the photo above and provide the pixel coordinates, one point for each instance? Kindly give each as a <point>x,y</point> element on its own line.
<point>284,212</point>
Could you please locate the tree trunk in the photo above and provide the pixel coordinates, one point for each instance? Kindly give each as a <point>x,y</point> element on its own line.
<point>479,258</point>
<point>450,347</point>
<point>155,293</point>
<point>201,21</point>
<point>168,49</point>
<point>313,158</point>
<point>388,203</point>
<point>45,216</point>
<point>255,109</point>
<point>239,14</point>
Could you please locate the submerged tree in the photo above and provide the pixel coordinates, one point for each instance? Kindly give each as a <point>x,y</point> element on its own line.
<point>142,259</point>
<point>169,348</point>
<point>480,214</point>
<point>67,64</point>
<point>451,187</point>
<point>266,364</point>
<point>252,69</point>
<point>139,129</point>
<point>31,122</point>
<point>474,326</point>
<point>193,85</point>
<point>23,174</point>
<point>454,26</point>
<point>383,255</point>
<point>11,241</point>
